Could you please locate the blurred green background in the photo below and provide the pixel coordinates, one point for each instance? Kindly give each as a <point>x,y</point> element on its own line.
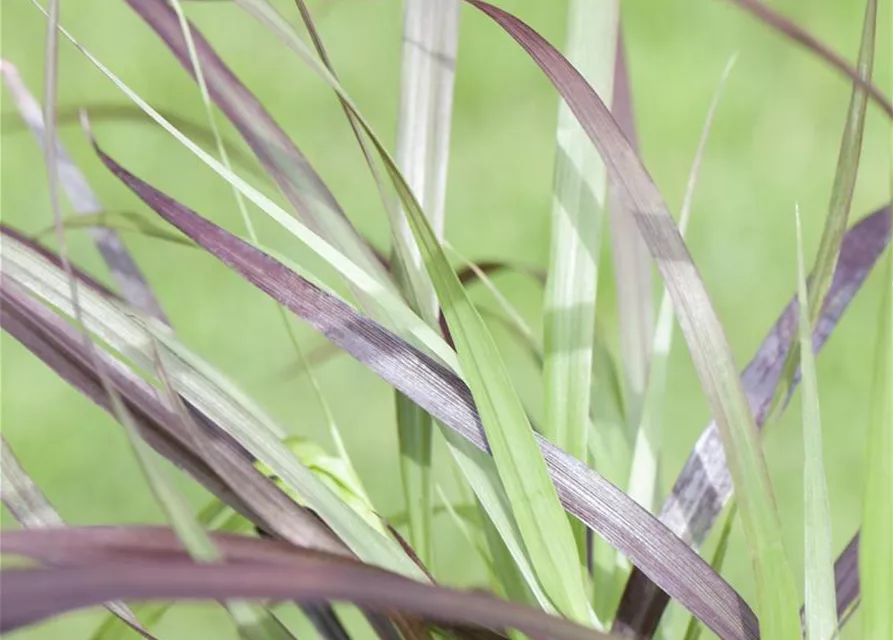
<point>774,144</point>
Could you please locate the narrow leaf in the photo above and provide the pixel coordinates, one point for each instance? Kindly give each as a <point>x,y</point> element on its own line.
<point>841,195</point>
<point>430,41</point>
<point>578,204</point>
<point>793,31</point>
<point>31,509</point>
<point>268,572</point>
<point>876,548</point>
<point>821,614</point>
<point>646,455</point>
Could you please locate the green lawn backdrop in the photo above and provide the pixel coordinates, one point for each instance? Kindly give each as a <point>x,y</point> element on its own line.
<point>774,144</point>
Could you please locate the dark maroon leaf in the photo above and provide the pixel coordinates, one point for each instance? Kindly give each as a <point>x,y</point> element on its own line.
<point>795,32</point>
<point>704,485</point>
<point>264,570</point>
<point>583,492</point>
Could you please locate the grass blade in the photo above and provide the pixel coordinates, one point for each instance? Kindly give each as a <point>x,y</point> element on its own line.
<point>440,392</point>
<point>31,509</point>
<point>266,570</point>
<point>821,614</point>
<point>876,548</point>
<point>704,486</point>
<point>430,41</point>
<point>578,204</point>
<point>700,325</point>
<point>126,273</point>
<point>841,197</point>
<point>632,262</point>
<point>793,31</point>
<point>646,455</point>
<point>301,185</point>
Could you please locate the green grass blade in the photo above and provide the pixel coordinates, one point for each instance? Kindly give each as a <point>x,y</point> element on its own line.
<point>821,609</point>
<point>535,506</point>
<point>578,205</point>
<point>646,455</point>
<point>876,546</point>
<point>841,198</point>
<point>700,324</point>
<point>430,41</point>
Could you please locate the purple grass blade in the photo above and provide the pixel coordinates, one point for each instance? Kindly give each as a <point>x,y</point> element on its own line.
<point>795,32</point>
<point>264,570</point>
<point>31,509</point>
<point>583,492</point>
<point>704,486</point>
<point>124,270</point>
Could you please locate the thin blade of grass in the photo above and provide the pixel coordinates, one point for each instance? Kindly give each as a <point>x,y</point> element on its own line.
<point>268,571</point>
<point>821,614</point>
<point>578,204</point>
<point>700,325</point>
<point>643,480</point>
<point>430,41</point>
<point>841,198</point>
<point>583,492</point>
<point>704,486</point>
<point>284,162</point>
<point>126,273</point>
<point>31,509</point>
<point>631,261</point>
<point>793,31</point>
<point>876,547</point>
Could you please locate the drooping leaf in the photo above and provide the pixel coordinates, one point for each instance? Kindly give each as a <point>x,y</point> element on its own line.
<point>31,509</point>
<point>698,320</point>
<point>264,569</point>
<point>703,486</point>
<point>646,455</point>
<point>795,32</point>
